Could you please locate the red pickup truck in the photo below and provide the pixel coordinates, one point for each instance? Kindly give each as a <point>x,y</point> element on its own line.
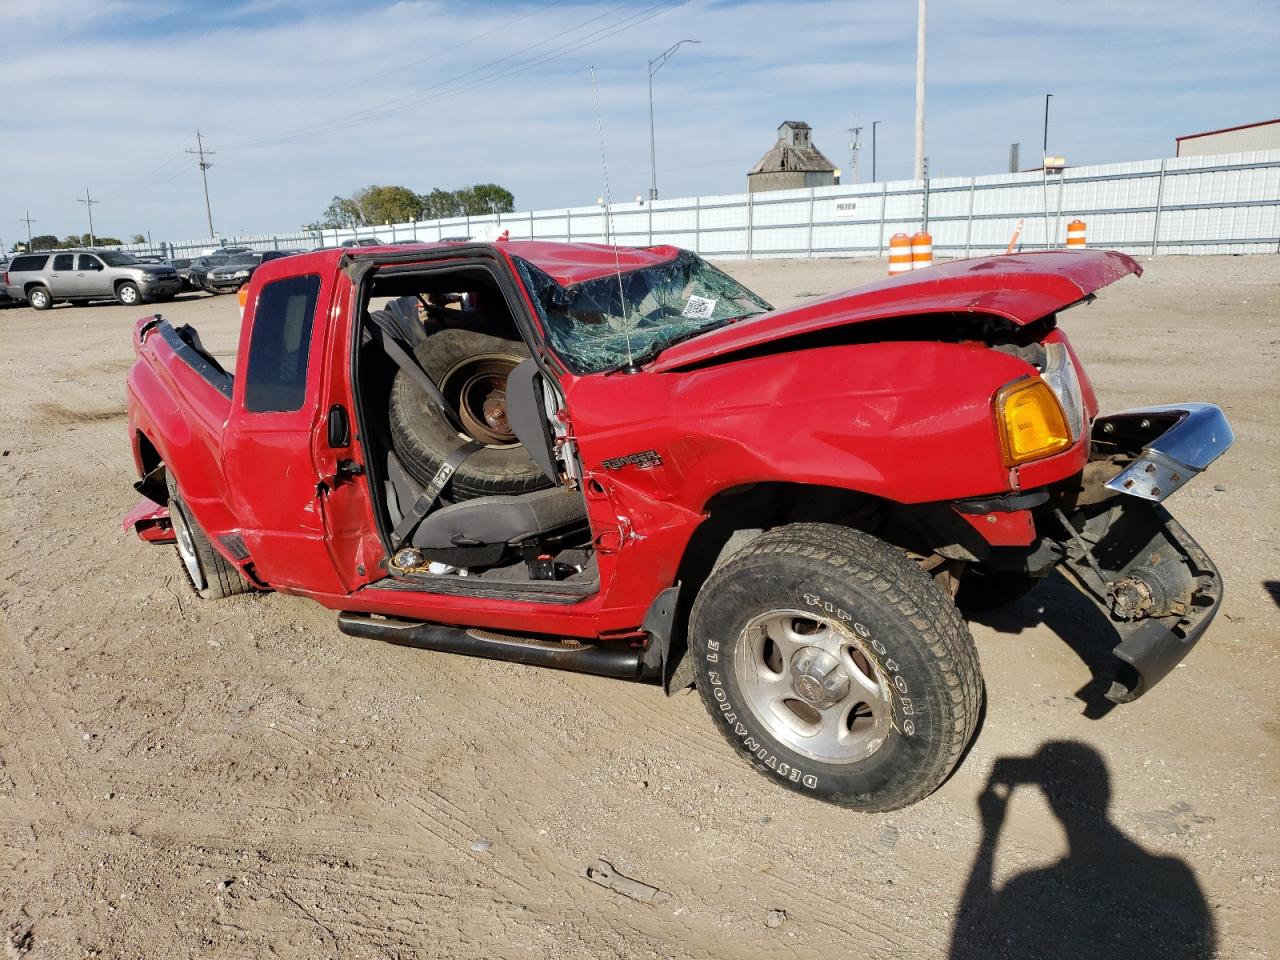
<point>622,462</point>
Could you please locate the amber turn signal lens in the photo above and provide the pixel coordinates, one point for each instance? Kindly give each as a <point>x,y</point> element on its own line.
<point>1031,421</point>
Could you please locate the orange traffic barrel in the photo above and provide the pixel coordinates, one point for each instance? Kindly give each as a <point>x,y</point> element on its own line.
<point>243,296</point>
<point>899,253</point>
<point>921,250</point>
<point>1075,233</point>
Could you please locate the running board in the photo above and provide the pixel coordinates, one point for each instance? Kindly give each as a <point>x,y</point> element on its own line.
<point>623,663</point>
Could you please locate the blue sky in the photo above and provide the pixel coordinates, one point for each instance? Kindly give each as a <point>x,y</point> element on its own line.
<point>304,100</point>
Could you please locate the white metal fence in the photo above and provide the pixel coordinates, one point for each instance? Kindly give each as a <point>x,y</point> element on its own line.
<point>1190,205</point>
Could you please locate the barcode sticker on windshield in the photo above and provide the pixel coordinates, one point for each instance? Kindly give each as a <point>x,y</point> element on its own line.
<point>699,308</point>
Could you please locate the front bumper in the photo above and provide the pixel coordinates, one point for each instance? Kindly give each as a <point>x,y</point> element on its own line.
<point>1108,532</point>
<point>151,288</point>
<point>1156,584</point>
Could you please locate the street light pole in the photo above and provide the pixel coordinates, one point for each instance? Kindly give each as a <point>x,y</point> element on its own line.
<point>874,124</point>
<point>920,32</point>
<point>654,66</point>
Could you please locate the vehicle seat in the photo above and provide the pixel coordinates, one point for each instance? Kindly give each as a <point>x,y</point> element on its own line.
<point>500,520</point>
<point>481,532</point>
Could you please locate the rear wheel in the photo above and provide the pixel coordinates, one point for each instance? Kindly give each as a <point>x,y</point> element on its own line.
<point>836,666</point>
<point>39,298</point>
<point>128,294</point>
<point>208,571</point>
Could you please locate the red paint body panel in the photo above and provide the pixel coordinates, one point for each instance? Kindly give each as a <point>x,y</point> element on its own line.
<point>150,522</point>
<point>907,421</point>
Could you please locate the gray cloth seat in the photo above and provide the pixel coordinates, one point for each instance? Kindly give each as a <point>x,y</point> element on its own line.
<point>500,520</point>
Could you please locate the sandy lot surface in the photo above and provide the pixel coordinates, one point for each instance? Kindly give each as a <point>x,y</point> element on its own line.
<point>238,779</point>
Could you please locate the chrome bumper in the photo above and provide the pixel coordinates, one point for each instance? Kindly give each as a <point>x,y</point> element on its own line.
<point>1178,442</point>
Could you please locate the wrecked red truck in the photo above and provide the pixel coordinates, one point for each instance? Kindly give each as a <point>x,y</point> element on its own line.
<point>622,462</point>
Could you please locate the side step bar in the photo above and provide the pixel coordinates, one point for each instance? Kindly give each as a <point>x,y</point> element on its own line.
<point>620,662</point>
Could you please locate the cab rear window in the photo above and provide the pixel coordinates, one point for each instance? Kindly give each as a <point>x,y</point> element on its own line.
<point>276,377</point>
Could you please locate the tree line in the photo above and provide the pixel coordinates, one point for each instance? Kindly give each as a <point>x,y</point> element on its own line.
<point>47,241</point>
<point>377,205</point>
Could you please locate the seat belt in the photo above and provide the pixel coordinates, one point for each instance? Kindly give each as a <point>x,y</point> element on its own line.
<point>431,495</point>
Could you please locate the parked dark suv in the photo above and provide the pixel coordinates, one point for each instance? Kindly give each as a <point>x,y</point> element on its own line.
<point>42,279</point>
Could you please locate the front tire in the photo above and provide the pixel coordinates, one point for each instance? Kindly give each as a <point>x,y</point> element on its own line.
<point>836,666</point>
<point>128,294</point>
<point>208,572</point>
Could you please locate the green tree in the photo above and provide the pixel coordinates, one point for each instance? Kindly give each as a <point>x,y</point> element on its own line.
<point>44,241</point>
<point>441,204</point>
<point>486,198</point>
<point>341,214</point>
<point>138,238</point>
<point>387,204</point>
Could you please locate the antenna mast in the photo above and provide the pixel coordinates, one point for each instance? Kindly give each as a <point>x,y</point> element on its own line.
<point>608,222</point>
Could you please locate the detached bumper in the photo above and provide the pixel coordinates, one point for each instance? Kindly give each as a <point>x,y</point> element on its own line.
<point>1178,442</point>
<point>1155,583</point>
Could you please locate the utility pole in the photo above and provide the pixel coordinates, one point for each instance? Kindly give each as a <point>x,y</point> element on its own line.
<point>653,163</point>
<point>29,220</point>
<point>204,164</point>
<point>855,145</point>
<point>88,205</point>
<point>874,124</point>
<point>920,31</point>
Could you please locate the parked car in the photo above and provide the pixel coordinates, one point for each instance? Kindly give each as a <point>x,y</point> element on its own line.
<point>5,299</point>
<point>79,276</point>
<point>363,242</point>
<point>235,272</point>
<point>627,449</point>
<point>198,269</point>
<point>183,266</point>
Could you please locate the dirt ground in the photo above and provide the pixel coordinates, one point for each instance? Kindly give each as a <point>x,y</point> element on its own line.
<point>238,779</point>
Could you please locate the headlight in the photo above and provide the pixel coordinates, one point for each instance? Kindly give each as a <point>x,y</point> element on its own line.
<point>240,273</point>
<point>1060,375</point>
<point>1031,421</point>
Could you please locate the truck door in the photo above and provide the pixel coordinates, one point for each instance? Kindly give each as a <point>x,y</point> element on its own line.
<point>62,276</point>
<point>267,447</point>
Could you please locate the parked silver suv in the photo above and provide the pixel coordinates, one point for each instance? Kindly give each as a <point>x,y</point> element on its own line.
<point>42,279</point>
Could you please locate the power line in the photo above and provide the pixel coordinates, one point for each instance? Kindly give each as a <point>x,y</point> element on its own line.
<point>421,98</point>
<point>88,205</point>
<point>204,165</point>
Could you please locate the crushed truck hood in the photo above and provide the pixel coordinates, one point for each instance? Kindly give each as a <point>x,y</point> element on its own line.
<point>1022,288</point>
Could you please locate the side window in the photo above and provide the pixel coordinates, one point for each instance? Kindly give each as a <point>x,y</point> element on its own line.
<point>276,377</point>
<point>88,261</point>
<point>62,261</point>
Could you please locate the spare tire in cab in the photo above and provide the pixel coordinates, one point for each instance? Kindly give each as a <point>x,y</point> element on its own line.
<point>470,369</point>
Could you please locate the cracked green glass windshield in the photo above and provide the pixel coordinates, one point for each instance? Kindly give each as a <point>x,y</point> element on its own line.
<point>589,323</point>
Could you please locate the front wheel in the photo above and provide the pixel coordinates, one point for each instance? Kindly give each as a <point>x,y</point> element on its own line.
<point>836,666</point>
<point>127,293</point>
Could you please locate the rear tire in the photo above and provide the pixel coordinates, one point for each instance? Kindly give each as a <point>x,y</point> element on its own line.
<point>128,294</point>
<point>39,298</point>
<point>211,576</point>
<point>836,666</point>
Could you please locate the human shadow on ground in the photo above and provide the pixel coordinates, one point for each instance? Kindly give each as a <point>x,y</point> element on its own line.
<point>1060,606</point>
<point>1107,898</point>
<point>1273,590</point>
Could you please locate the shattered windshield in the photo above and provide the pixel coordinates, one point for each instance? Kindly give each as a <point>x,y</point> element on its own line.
<point>588,322</point>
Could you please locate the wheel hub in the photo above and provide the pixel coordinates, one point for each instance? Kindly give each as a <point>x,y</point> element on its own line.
<point>818,677</point>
